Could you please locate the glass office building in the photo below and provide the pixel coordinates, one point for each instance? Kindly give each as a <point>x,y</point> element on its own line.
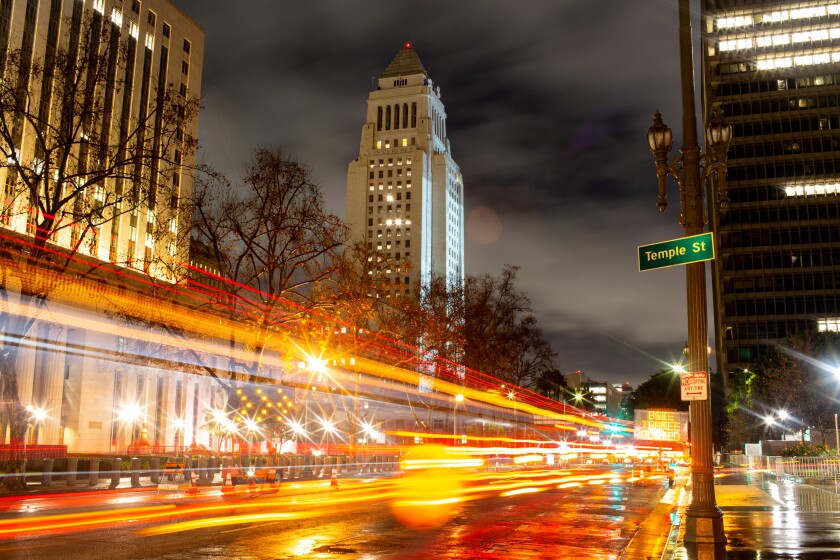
<point>772,68</point>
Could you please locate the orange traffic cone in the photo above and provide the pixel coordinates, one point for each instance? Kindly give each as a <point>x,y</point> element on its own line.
<point>334,478</point>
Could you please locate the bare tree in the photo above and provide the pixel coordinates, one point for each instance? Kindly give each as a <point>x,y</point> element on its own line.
<point>75,158</point>
<point>486,324</point>
<point>502,336</point>
<point>274,248</point>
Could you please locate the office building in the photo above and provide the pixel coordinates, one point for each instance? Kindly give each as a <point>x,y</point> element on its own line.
<point>92,393</point>
<point>405,195</point>
<point>772,68</point>
<point>149,49</point>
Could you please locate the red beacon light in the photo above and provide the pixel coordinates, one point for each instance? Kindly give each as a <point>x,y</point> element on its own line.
<point>408,45</point>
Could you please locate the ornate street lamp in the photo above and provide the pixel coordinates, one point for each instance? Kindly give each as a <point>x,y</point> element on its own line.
<point>704,519</point>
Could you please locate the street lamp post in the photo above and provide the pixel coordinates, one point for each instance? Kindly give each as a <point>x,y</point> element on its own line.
<point>704,519</point>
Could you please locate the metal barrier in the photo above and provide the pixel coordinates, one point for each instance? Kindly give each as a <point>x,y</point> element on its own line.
<point>820,468</point>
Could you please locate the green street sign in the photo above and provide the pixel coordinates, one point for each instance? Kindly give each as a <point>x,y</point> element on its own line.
<point>676,252</point>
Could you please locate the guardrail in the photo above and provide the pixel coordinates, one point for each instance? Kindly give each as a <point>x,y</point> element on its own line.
<point>821,468</point>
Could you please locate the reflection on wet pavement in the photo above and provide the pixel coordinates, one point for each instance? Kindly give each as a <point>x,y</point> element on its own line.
<point>767,518</point>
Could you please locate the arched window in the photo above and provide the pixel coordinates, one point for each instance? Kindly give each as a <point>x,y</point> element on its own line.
<point>414,115</point>
<point>396,117</point>
<point>379,118</point>
<point>405,115</point>
<point>388,117</point>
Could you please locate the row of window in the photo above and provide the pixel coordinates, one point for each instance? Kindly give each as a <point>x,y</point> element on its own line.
<point>390,186</point>
<point>776,84</point>
<point>781,259</point>
<point>775,17</point>
<point>778,39</point>
<point>811,210</point>
<point>752,193</point>
<point>800,305</point>
<point>790,169</point>
<point>387,234</point>
<point>787,282</point>
<point>384,116</point>
<point>390,208</point>
<point>396,142</point>
<point>390,162</point>
<point>780,236</point>
<point>390,173</point>
<point>783,126</point>
<point>390,197</point>
<point>768,106</point>
<point>804,145</point>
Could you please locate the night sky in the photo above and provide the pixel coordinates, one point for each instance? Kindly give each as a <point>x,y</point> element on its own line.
<point>548,104</point>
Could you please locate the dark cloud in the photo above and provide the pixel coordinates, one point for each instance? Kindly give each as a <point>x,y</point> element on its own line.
<point>548,104</point>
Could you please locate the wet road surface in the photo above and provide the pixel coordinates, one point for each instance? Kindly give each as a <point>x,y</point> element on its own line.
<point>585,522</point>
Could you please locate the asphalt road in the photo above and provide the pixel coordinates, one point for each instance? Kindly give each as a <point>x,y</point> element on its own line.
<point>587,521</point>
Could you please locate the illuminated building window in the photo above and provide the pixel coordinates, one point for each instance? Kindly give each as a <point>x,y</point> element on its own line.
<point>378,145</point>
<point>829,324</point>
<point>813,190</point>
<point>736,21</point>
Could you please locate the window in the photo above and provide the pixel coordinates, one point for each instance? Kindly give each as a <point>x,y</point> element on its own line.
<point>186,46</point>
<point>185,67</point>
<point>183,89</point>
<point>135,6</point>
<point>152,18</point>
<point>166,30</point>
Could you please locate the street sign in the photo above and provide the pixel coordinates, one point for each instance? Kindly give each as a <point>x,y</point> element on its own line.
<point>660,425</point>
<point>675,252</point>
<point>694,386</point>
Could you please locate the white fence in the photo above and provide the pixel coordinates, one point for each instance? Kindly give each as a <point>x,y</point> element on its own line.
<point>820,468</point>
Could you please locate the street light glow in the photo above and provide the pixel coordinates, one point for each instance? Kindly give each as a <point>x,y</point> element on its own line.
<point>36,413</point>
<point>130,412</point>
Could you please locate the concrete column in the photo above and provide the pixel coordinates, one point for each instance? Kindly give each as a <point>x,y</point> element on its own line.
<point>155,467</point>
<point>72,471</point>
<point>47,473</point>
<point>135,472</point>
<point>202,468</point>
<point>116,468</point>
<point>93,475</point>
<point>26,369</point>
<point>49,388</point>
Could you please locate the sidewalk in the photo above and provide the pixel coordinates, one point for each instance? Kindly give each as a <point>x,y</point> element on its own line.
<point>765,518</point>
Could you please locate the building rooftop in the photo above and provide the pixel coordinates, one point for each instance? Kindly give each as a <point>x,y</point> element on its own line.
<point>405,63</point>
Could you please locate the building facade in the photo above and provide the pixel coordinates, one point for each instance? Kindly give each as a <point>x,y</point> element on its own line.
<point>405,193</point>
<point>772,68</point>
<point>88,394</point>
<point>153,51</point>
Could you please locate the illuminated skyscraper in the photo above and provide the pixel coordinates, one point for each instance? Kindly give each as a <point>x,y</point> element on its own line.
<point>772,68</point>
<point>405,193</point>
